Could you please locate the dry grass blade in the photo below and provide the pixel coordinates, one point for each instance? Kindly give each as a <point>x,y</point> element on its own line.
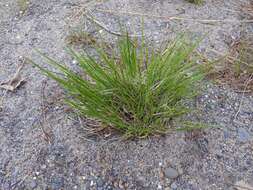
<point>241,185</point>
<point>241,102</point>
<point>248,9</point>
<point>237,67</point>
<point>80,38</point>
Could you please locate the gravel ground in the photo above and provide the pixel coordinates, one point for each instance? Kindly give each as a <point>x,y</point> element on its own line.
<point>62,157</point>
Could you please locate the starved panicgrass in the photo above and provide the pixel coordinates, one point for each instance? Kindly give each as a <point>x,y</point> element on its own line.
<point>137,93</point>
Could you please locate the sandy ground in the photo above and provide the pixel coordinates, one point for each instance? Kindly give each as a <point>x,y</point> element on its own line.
<point>62,157</point>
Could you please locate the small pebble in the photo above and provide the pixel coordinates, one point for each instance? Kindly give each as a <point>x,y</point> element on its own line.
<point>100,182</point>
<point>57,182</point>
<point>173,186</point>
<point>243,135</point>
<point>171,173</point>
<point>159,187</point>
<point>225,134</point>
<point>33,184</point>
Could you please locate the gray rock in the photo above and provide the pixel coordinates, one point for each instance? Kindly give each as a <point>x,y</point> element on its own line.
<point>33,184</point>
<point>243,135</point>
<point>87,185</point>
<point>6,185</point>
<point>171,173</point>
<point>109,187</point>
<point>100,182</point>
<point>173,186</point>
<point>43,166</point>
<point>226,134</point>
<point>57,183</point>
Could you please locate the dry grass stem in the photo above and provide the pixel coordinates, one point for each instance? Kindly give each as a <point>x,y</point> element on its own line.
<point>169,18</point>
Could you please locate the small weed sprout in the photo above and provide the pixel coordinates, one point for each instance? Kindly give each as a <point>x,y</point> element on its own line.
<point>197,2</point>
<point>139,92</point>
<point>80,38</point>
<point>23,5</point>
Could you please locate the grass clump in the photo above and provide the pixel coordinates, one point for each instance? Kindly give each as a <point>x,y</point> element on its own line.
<point>138,91</point>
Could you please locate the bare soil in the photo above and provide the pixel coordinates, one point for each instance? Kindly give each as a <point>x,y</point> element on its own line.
<point>43,145</point>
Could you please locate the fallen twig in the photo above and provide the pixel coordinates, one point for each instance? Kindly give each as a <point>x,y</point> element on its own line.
<point>84,11</point>
<point>15,81</point>
<point>169,18</point>
<point>101,25</point>
<point>47,136</point>
<point>90,17</point>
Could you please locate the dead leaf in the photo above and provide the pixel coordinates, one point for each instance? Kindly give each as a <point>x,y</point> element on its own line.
<point>242,185</point>
<point>14,82</point>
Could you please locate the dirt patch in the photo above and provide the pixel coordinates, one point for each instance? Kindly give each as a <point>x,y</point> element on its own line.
<point>236,67</point>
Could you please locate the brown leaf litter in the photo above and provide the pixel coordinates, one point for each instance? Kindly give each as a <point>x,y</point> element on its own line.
<point>15,81</point>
